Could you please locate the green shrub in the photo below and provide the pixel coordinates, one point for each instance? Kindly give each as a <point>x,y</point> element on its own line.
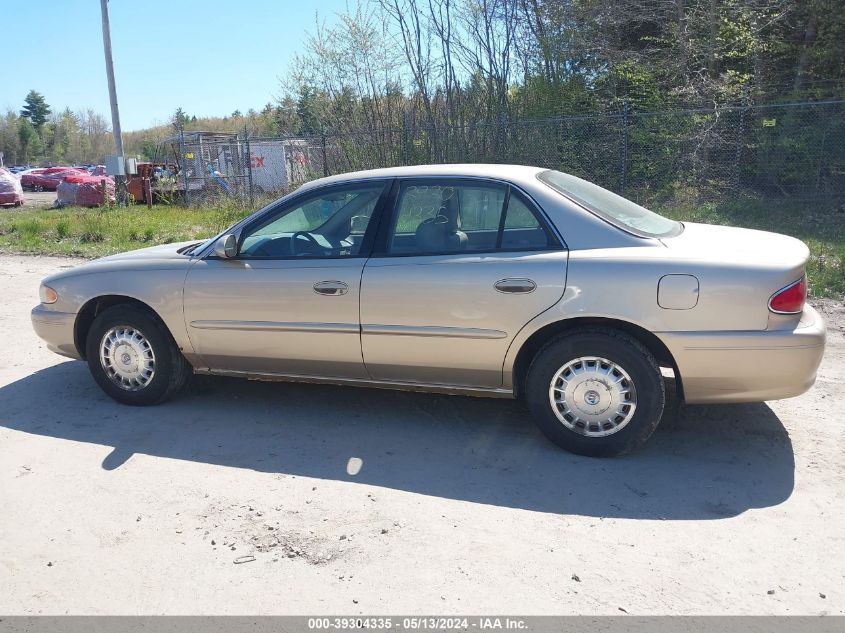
<point>62,229</point>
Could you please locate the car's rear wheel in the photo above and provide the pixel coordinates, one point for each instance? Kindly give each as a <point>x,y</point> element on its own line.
<point>595,391</point>
<point>133,358</point>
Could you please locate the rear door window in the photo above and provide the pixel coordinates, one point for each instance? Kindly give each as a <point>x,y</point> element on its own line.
<point>453,216</point>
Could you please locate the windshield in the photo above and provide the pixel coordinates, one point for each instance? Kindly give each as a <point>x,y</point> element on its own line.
<point>607,205</point>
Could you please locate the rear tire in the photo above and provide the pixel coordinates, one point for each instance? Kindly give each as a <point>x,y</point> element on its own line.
<point>133,358</point>
<point>596,392</point>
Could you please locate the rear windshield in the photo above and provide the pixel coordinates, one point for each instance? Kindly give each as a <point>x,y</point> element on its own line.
<point>607,205</point>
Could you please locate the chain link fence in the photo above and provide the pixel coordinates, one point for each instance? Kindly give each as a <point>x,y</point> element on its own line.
<point>770,151</point>
<point>210,166</point>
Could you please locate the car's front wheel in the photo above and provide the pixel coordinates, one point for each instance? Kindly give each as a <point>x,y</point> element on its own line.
<point>132,357</point>
<point>596,392</point>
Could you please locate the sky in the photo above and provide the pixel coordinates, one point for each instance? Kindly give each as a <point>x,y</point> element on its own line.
<point>208,57</point>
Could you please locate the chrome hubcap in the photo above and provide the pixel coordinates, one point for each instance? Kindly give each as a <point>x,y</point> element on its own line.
<point>127,358</point>
<point>593,396</point>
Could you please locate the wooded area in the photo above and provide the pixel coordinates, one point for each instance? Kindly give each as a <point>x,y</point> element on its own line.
<point>647,96</point>
<point>458,62</point>
<point>36,134</point>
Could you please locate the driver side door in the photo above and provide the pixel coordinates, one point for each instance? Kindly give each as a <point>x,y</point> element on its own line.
<point>288,302</point>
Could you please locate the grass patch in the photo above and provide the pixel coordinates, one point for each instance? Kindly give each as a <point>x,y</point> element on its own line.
<point>84,232</point>
<point>28,228</point>
<point>94,232</point>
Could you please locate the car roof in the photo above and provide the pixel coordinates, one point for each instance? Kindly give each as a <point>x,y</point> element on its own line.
<point>512,173</point>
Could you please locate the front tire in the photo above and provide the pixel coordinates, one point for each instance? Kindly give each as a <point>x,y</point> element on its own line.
<point>596,392</point>
<point>133,358</point>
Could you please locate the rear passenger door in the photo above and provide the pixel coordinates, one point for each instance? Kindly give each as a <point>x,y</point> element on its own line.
<point>460,266</point>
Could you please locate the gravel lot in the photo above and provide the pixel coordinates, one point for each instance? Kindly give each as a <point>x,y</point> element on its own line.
<point>363,501</point>
<point>38,198</point>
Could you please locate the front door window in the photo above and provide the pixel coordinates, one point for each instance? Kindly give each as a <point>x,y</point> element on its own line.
<point>327,224</point>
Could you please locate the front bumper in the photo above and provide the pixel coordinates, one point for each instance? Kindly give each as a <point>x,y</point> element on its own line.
<point>56,329</point>
<point>733,367</point>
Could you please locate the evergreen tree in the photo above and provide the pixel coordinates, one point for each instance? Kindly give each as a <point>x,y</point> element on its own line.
<point>35,109</point>
<point>179,119</point>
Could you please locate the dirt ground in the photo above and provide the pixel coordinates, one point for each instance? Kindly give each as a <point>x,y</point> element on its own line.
<point>38,199</point>
<point>255,498</point>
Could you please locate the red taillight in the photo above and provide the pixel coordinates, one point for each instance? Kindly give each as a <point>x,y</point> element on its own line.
<point>790,299</point>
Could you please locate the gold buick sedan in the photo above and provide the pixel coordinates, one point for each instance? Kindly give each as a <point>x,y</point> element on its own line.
<point>487,280</point>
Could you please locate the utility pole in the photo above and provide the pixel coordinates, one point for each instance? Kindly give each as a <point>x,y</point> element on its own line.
<point>115,114</point>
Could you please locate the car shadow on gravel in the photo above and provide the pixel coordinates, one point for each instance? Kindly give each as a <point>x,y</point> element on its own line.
<point>704,463</point>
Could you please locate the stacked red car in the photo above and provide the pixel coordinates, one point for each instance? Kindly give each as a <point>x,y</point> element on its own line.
<point>11,193</point>
<point>85,191</point>
<point>48,179</point>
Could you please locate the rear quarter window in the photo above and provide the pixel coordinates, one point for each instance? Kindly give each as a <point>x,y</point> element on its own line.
<point>611,207</point>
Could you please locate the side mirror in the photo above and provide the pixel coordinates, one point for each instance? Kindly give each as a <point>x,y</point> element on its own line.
<point>226,247</point>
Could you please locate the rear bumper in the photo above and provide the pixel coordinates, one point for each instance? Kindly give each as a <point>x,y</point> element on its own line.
<point>748,366</point>
<point>56,329</point>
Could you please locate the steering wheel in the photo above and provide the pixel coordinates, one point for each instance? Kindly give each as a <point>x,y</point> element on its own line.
<point>305,234</point>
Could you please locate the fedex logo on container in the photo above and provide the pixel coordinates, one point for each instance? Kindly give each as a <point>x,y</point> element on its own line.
<point>270,163</point>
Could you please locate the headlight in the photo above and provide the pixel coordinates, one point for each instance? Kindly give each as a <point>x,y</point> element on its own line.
<point>47,294</point>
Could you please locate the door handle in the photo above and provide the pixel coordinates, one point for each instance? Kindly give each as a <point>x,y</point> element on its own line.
<point>331,288</point>
<point>515,286</point>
